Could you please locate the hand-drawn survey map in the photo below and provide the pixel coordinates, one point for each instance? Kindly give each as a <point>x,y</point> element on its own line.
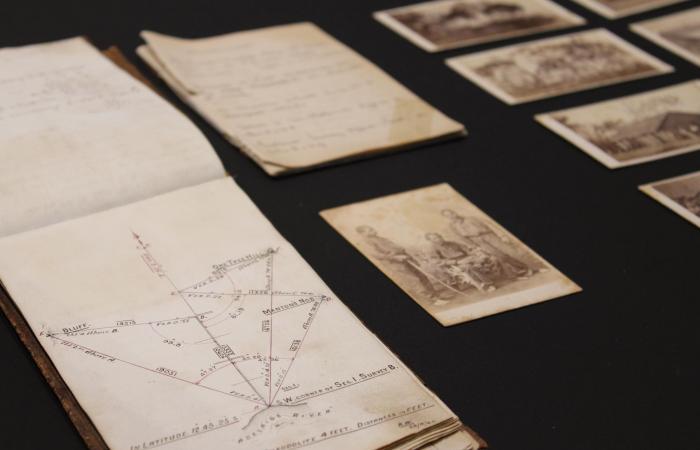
<point>198,334</point>
<point>179,336</point>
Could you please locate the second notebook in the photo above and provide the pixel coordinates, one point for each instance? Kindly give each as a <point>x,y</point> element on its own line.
<point>292,97</point>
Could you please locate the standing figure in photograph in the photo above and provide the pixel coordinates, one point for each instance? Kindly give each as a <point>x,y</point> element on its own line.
<point>397,256</point>
<point>478,233</point>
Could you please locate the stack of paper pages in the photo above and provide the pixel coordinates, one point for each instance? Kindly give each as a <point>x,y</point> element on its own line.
<point>161,305</point>
<point>292,97</point>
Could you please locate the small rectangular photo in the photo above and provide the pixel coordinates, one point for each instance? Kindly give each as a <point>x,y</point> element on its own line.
<point>678,33</point>
<point>680,194</point>
<point>450,257</point>
<point>634,129</point>
<point>444,24</point>
<point>554,66</point>
<point>614,9</point>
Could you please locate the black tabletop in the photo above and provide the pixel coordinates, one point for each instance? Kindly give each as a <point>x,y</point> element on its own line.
<point>614,367</point>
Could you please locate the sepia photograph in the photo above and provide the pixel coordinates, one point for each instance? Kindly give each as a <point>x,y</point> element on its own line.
<point>554,66</point>
<point>678,33</point>
<point>633,129</point>
<point>445,24</point>
<point>613,9</point>
<point>450,257</point>
<point>680,194</point>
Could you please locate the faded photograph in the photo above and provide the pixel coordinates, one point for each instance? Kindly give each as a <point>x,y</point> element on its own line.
<point>634,129</point>
<point>680,194</point>
<point>679,33</point>
<point>449,256</point>
<point>441,25</point>
<point>554,66</point>
<point>613,9</point>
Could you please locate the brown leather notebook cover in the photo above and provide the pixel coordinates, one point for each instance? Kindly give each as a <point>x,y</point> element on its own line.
<point>77,415</point>
<point>118,58</point>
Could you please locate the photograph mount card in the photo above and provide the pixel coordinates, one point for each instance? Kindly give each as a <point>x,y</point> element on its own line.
<point>441,25</point>
<point>555,66</point>
<point>450,257</point>
<point>678,33</point>
<point>634,129</point>
<point>680,194</point>
<point>614,9</point>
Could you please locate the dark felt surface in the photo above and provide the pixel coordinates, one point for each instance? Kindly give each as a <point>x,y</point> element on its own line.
<point>614,367</point>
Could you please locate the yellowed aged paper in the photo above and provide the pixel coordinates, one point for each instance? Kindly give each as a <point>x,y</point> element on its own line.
<point>461,440</point>
<point>444,24</point>
<point>293,97</point>
<point>613,9</point>
<point>186,321</point>
<point>450,257</point>
<point>676,32</point>
<point>679,194</point>
<point>634,129</point>
<point>559,65</point>
<point>79,135</point>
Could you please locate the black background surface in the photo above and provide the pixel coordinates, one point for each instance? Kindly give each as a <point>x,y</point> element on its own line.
<point>614,367</point>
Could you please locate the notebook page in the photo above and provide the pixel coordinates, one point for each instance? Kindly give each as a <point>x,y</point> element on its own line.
<point>79,135</point>
<point>180,323</point>
<point>294,96</point>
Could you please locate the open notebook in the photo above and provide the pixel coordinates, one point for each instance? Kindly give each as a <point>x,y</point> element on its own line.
<point>292,97</point>
<point>160,304</point>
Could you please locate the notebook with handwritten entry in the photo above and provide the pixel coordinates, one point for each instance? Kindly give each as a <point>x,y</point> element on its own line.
<point>292,97</point>
<point>160,304</point>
